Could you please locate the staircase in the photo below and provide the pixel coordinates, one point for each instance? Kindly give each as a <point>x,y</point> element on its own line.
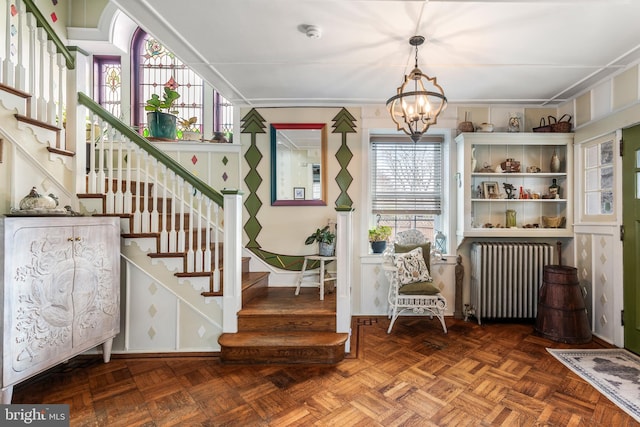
<point>279,327</point>
<point>167,214</point>
<point>274,326</point>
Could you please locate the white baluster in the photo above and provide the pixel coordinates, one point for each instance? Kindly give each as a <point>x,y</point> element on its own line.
<point>21,72</point>
<point>32,26</point>
<point>110,194</point>
<point>142,198</point>
<point>101,161</point>
<point>192,232</point>
<point>173,235</point>
<point>8,66</point>
<point>41,101</point>
<point>198,239</point>
<point>181,242</point>
<point>61,102</point>
<point>91,152</point>
<point>207,245</point>
<point>137,215</point>
<point>154,227</point>
<point>119,195</point>
<point>164,235</point>
<point>127,206</point>
<point>51,104</point>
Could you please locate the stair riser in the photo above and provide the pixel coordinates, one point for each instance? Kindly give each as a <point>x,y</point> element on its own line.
<point>282,355</point>
<point>286,323</point>
<point>257,290</point>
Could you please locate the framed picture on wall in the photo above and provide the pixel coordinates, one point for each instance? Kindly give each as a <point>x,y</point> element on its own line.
<point>298,193</point>
<point>490,189</point>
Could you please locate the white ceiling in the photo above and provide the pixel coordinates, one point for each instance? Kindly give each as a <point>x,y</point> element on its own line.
<point>494,51</point>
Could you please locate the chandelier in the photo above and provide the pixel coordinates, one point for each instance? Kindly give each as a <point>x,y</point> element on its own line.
<point>414,108</point>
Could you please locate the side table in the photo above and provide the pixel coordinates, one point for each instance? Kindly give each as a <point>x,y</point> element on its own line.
<point>321,279</point>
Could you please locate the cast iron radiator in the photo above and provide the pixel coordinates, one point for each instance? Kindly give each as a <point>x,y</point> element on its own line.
<point>505,278</point>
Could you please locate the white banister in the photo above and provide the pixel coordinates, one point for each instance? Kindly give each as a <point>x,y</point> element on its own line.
<point>232,248</point>
<point>344,268</point>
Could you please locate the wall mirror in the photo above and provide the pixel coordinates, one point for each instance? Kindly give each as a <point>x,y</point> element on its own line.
<point>298,164</point>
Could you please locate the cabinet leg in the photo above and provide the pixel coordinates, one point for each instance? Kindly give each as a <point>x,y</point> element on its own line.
<point>106,350</point>
<point>7,394</point>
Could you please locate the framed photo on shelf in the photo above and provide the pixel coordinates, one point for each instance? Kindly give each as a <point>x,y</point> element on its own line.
<point>490,190</point>
<point>298,193</point>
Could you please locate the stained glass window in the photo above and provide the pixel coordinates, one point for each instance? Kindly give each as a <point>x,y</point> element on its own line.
<point>108,84</point>
<point>158,67</point>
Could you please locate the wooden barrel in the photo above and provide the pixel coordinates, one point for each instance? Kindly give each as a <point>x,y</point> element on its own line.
<point>562,315</point>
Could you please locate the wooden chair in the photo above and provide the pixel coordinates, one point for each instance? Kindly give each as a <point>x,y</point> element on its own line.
<point>410,288</point>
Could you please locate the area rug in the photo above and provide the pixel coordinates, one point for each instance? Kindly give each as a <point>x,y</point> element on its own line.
<point>613,372</point>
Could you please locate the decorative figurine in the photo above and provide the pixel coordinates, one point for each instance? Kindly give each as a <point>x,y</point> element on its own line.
<point>514,122</point>
<point>508,188</point>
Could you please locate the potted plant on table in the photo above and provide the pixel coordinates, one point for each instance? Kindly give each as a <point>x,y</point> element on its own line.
<point>161,116</point>
<point>378,237</point>
<point>326,241</point>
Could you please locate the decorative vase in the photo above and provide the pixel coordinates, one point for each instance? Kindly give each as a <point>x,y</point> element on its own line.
<point>326,249</point>
<point>554,166</point>
<point>379,246</point>
<point>161,125</point>
<point>510,220</point>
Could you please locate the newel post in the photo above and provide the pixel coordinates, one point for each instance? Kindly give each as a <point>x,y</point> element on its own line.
<point>232,259</point>
<point>344,270</point>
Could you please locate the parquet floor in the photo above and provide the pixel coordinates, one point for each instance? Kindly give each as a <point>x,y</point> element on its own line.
<point>490,375</point>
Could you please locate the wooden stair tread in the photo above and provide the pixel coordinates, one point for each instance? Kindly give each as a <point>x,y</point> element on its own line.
<point>251,277</point>
<point>283,339</point>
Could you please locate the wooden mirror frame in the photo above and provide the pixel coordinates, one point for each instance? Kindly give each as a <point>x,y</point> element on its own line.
<point>323,164</point>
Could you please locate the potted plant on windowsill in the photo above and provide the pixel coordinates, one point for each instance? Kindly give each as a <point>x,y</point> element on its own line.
<point>378,237</point>
<point>161,116</point>
<point>326,241</point>
<point>188,131</point>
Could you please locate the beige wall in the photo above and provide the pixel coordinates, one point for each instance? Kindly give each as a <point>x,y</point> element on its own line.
<point>61,10</point>
<point>286,227</point>
<point>85,13</point>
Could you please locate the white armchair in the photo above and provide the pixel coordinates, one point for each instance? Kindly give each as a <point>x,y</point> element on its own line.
<point>407,267</point>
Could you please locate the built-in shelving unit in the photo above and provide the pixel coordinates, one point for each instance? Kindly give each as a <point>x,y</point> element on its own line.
<point>483,199</point>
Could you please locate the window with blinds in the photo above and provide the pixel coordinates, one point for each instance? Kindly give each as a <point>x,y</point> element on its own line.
<point>406,176</point>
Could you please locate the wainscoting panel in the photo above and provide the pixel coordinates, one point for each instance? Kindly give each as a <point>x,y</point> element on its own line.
<point>599,264</point>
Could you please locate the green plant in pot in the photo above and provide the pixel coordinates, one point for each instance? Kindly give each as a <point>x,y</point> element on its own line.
<point>378,237</point>
<point>161,115</point>
<point>326,241</point>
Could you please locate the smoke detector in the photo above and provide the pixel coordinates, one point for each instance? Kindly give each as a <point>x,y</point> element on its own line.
<point>313,31</point>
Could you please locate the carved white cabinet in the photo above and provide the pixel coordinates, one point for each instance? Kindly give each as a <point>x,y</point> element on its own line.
<point>60,294</point>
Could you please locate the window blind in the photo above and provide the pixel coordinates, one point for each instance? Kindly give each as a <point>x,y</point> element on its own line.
<point>406,176</point>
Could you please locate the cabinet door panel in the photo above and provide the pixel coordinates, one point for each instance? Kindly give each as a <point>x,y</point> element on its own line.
<point>41,303</point>
<point>95,292</point>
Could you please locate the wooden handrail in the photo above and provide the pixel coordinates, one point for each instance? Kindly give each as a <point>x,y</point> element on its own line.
<point>158,154</point>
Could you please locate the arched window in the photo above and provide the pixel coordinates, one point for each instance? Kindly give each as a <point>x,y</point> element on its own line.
<point>156,68</point>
